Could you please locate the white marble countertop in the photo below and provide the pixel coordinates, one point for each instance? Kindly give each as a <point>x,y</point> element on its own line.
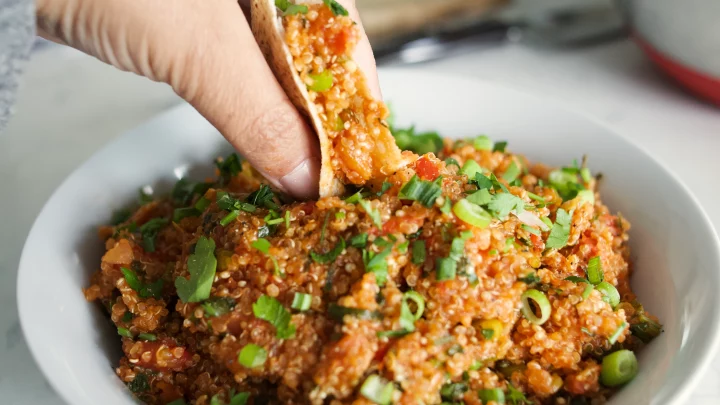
<point>70,105</point>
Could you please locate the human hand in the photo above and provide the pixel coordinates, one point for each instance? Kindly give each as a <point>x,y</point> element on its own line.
<point>206,51</point>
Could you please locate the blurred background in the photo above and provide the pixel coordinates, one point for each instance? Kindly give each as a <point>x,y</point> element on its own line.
<point>649,69</point>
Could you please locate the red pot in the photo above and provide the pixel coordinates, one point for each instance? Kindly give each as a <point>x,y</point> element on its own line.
<point>682,38</point>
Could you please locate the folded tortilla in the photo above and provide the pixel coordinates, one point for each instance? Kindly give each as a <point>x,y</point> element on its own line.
<point>308,49</point>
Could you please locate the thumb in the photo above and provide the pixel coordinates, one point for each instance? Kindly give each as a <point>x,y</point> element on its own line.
<point>206,52</point>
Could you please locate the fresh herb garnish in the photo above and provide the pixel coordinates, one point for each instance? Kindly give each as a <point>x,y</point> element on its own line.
<point>124,332</point>
<point>184,190</point>
<point>226,202</point>
<point>149,231</point>
<point>511,173</point>
<point>385,187</point>
<point>446,269</point>
<point>331,255</point>
<point>321,82</point>
<point>301,301</point>
<point>359,241</point>
<point>263,197</point>
<point>503,204</point>
<point>293,9</point>
<point>373,213</point>
<point>147,336</point>
<point>516,397</point>
<point>423,191</point>
<point>153,290</point>
<point>594,271</point>
<point>264,245</point>
<point>252,355</point>
<point>376,263</point>
<point>530,278</point>
<point>336,8</point>
<point>228,167</point>
<point>201,266</point>
<point>217,306</point>
<point>453,392</point>
<point>139,383</point>
<point>531,230</point>
<point>560,231</point>
<point>576,279</point>
<point>271,310</point>
<point>450,162</point>
<point>180,213</point>
<point>500,146</point>
<point>120,216</point>
<point>420,143</point>
<point>418,252</point>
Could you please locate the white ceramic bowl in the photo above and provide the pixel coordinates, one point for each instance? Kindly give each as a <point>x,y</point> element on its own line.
<point>675,251</point>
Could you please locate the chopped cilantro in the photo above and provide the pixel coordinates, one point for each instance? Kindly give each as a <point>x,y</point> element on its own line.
<point>403,247</point>
<point>420,143</point>
<point>184,190</point>
<point>503,203</point>
<point>228,167</point>
<point>531,230</point>
<point>271,310</point>
<point>336,8</point>
<point>511,173</point>
<point>560,231</point>
<point>480,197</point>
<point>263,245</point>
<point>453,392</point>
<point>120,216</point>
<point>488,333</point>
<point>500,146</point>
<point>293,9</point>
<point>153,289</point>
<point>516,397</point>
<point>385,187</point>
<point>264,197</point>
<point>149,231</point>
<point>530,278</point>
<point>180,213</point>
<point>201,266</point>
<point>331,255</point>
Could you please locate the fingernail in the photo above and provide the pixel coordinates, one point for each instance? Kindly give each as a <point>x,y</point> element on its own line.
<point>304,180</point>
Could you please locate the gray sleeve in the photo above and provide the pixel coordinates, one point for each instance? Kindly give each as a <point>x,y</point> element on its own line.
<point>17,31</point>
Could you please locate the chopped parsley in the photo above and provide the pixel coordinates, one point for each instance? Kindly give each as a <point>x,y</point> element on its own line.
<point>263,245</point>
<point>423,191</point>
<point>201,266</point>
<point>503,203</point>
<point>453,392</point>
<point>331,255</point>
<point>420,143</point>
<point>403,247</point>
<point>500,146</point>
<point>226,202</point>
<point>560,231</point>
<point>149,232</point>
<point>180,213</point>
<point>271,310</point>
<point>530,278</point>
<point>184,190</point>
<point>252,356</point>
<point>263,197</point>
<point>516,397</point>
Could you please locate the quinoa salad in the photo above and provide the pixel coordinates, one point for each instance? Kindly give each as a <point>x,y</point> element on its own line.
<point>465,275</point>
<point>471,276</point>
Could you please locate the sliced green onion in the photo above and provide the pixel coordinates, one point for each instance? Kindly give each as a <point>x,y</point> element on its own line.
<point>547,221</point>
<point>377,390</point>
<point>493,394</point>
<point>372,213</point>
<point>321,81</point>
<point>262,245</point>
<point>609,292</point>
<point>483,142</point>
<point>330,256</point>
<point>470,168</point>
<point>616,335</point>
<point>338,215</point>
<point>536,197</point>
<point>618,368</point>
<point>147,336</point>
<point>124,332</point>
<point>511,173</point>
<point>301,301</point>
<point>376,263</point>
<point>180,213</point>
<point>338,312</point>
<point>403,247</point>
<point>202,204</point>
<point>359,241</point>
<point>127,317</point>
<point>423,191</point>
<point>446,268</point>
<point>594,271</point>
<point>586,292</point>
<point>541,302</point>
<point>227,219</point>
<point>293,9</point>
<point>447,206</point>
<point>407,317</point>
<point>178,401</point>
<point>252,356</point>
<point>418,252</point>
<point>472,214</point>
<point>287,218</point>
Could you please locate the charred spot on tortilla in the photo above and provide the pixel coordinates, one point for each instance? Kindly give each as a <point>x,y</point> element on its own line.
<point>309,46</point>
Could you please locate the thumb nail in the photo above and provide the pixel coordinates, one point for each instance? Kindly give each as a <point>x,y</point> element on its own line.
<point>303,181</point>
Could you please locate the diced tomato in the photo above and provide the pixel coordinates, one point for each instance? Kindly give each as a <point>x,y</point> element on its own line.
<point>393,224</point>
<point>382,351</point>
<point>426,169</point>
<point>308,207</point>
<point>338,42</point>
<point>537,242</point>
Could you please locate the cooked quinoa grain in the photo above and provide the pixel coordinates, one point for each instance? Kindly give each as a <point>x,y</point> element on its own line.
<point>470,335</point>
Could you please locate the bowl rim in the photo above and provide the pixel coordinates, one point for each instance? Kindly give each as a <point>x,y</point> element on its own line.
<point>681,394</point>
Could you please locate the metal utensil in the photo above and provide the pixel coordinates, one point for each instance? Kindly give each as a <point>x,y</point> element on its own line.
<point>570,27</point>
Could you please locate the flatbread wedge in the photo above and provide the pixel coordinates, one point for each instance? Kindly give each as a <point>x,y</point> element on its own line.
<point>309,47</point>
